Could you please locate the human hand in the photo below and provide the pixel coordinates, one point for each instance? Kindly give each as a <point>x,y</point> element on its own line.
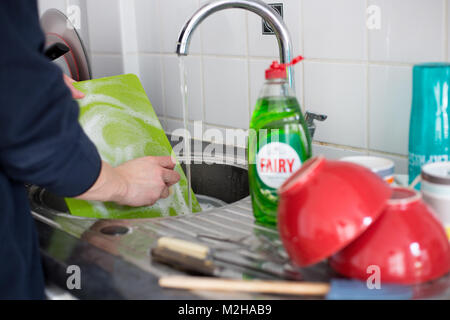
<point>147,180</point>
<point>76,94</point>
<point>135,183</point>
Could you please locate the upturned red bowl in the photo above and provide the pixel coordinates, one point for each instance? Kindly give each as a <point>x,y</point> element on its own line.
<point>325,205</point>
<point>407,243</point>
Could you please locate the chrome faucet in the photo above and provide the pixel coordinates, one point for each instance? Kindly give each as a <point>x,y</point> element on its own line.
<point>264,11</point>
<point>260,8</point>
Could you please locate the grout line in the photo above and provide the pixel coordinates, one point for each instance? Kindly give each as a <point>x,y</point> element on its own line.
<point>122,32</point>
<point>367,52</point>
<point>161,65</point>
<point>125,53</point>
<point>302,42</point>
<point>386,153</point>
<point>202,71</point>
<point>445,33</point>
<point>357,149</point>
<point>360,62</point>
<point>315,60</point>
<point>108,54</point>
<point>162,70</point>
<point>249,106</point>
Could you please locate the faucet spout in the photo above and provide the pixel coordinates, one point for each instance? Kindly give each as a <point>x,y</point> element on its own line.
<point>257,6</point>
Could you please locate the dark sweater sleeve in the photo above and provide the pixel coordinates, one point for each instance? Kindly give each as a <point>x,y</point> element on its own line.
<point>41,141</point>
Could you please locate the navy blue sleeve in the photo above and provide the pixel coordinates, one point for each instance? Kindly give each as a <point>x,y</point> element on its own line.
<point>41,141</point>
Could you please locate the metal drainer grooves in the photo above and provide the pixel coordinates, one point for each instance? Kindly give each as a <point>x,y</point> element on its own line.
<point>222,226</point>
<point>253,225</point>
<point>230,209</point>
<point>172,227</point>
<point>198,226</point>
<point>243,208</point>
<point>236,225</point>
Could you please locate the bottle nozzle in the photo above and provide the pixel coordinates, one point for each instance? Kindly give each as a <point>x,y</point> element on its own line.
<point>277,70</point>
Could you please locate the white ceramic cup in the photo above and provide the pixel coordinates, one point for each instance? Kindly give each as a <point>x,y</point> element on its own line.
<point>381,166</point>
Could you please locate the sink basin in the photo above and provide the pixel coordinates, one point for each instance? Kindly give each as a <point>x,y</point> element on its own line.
<point>215,185</point>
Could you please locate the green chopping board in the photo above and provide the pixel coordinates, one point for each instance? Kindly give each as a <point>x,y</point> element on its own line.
<point>118,117</point>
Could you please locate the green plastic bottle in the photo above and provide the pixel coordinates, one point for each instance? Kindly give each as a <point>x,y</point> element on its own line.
<point>279,142</point>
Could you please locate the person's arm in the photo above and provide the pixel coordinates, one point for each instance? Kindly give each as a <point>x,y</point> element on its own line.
<point>41,141</point>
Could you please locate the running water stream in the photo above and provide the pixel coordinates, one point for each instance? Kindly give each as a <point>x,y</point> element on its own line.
<point>187,136</point>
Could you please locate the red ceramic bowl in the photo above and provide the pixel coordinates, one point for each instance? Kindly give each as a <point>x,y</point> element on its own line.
<point>325,205</point>
<point>407,243</point>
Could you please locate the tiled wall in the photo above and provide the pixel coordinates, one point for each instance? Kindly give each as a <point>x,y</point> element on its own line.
<point>359,77</point>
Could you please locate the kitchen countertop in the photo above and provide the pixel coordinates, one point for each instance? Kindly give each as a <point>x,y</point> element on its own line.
<point>120,266</point>
<point>116,267</point>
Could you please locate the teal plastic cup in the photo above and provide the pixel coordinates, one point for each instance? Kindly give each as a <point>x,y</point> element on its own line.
<point>429,132</point>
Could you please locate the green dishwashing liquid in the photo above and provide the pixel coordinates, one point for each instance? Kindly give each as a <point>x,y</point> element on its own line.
<point>279,143</point>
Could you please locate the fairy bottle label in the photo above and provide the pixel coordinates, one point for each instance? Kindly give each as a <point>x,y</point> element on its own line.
<point>275,162</point>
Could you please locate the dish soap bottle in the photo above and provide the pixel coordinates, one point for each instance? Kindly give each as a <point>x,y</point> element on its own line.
<point>279,142</point>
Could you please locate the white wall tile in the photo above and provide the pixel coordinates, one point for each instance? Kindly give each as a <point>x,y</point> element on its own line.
<point>334,29</point>
<point>261,45</point>
<point>172,87</point>
<point>104,26</point>
<point>334,153</point>
<point>106,65</point>
<point>151,77</point>
<point>226,92</point>
<point>337,90</point>
<point>131,63</point>
<point>257,78</point>
<point>448,31</point>
<point>148,25</point>
<point>298,76</point>
<point>44,5</point>
<point>174,13</point>
<point>411,31</point>
<point>390,94</point>
<point>225,33</point>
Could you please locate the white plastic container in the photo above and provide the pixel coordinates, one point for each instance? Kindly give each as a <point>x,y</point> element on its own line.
<point>435,188</point>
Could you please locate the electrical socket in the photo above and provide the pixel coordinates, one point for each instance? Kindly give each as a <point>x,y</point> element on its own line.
<point>278,7</point>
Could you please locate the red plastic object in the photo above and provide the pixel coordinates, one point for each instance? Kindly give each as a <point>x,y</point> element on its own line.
<point>407,243</point>
<point>278,71</point>
<point>325,205</point>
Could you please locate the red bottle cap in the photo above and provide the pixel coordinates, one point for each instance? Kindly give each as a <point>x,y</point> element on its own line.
<point>278,71</point>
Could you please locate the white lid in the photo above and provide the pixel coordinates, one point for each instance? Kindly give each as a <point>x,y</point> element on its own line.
<point>437,172</point>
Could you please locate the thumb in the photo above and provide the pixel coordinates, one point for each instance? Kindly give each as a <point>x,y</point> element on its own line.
<point>76,94</point>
